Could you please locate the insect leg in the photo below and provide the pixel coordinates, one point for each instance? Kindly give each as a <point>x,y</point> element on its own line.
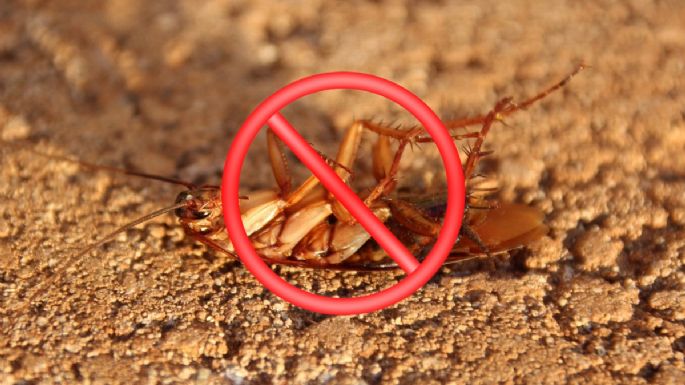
<point>454,124</point>
<point>413,219</point>
<point>279,163</point>
<point>513,107</point>
<point>419,223</point>
<point>528,102</point>
<point>385,171</point>
<point>385,165</point>
<point>270,261</point>
<point>382,157</point>
<point>312,190</point>
<point>389,181</point>
<point>402,133</point>
<point>347,153</point>
<point>472,235</point>
<point>474,154</point>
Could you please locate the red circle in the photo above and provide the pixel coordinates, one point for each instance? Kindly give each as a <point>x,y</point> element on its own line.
<point>455,192</point>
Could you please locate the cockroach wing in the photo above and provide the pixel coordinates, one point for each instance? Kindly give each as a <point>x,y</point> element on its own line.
<point>506,227</point>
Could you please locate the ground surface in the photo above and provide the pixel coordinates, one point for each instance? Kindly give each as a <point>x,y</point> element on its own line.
<point>161,86</point>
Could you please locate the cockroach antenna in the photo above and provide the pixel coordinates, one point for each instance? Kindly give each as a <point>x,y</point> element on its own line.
<point>24,146</point>
<point>109,237</point>
<point>66,264</point>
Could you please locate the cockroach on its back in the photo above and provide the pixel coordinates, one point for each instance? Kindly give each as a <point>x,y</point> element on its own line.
<point>306,226</point>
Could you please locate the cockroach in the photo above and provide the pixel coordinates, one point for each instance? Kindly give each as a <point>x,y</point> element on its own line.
<point>305,226</point>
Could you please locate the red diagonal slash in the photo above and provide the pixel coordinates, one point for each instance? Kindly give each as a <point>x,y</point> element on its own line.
<point>311,158</point>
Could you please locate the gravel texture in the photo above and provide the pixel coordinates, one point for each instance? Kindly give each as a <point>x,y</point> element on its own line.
<point>161,86</point>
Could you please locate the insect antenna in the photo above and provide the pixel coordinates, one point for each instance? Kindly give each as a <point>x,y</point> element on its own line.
<point>109,237</point>
<point>110,168</point>
<point>64,266</point>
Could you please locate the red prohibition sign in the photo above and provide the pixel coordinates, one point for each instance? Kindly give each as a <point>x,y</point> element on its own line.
<point>418,273</point>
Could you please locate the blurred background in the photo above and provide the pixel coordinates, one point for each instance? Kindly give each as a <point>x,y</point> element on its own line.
<point>161,86</point>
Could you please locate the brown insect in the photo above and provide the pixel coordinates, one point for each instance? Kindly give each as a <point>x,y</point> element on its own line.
<point>306,226</point>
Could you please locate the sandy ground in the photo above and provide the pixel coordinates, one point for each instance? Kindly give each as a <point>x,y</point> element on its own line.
<point>162,86</point>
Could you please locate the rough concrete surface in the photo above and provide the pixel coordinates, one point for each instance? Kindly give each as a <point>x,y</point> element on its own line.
<point>162,86</point>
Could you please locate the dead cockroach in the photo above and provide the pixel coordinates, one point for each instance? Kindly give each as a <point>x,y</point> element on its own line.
<point>306,226</point>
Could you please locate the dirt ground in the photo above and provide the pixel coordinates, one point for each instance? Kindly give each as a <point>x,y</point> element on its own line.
<point>162,86</point>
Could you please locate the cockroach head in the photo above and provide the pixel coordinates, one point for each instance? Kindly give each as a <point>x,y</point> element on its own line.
<point>199,203</point>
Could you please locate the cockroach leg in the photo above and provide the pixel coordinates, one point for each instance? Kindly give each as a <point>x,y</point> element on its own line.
<point>341,212</point>
<point>279,163</point>
<point>400,133</point>
<point>528,102</point>
<point>483,205</point>
<point>310,190</point>
<point>472,235</point>
<point>513,107</point>
<point>341,170</point>
<point>428,139</point>
<point>383,130</point>
<point>211,244</point>
<point>388,183</point>
<point>385,170</point>
<point>474,152</point>
<point>382,157</point>
<point>413,219</point>
<point>347,153</point>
